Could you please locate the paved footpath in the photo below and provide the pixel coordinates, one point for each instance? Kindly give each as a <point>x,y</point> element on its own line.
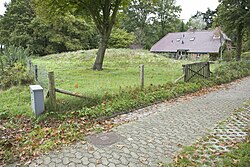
<point>154,138</point>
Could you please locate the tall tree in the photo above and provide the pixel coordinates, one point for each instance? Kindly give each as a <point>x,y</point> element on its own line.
<point>14,25</point>
<point>207,17</point>
<point>234,17</point>
<point>150,20</point>
<point>166,14</point>
<point>197,22</point>
<point>20,26</point>
<point>138,15</point>
<point>103,13</point>
<point>182,27</point>
<point>66,33</point>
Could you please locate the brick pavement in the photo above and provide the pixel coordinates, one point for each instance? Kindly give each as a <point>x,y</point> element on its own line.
<point>155,137</point>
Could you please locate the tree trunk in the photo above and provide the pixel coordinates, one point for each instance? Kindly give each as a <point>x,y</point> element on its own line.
<point>239,42</point>
<point>101,52</point>
<point>104,23</point>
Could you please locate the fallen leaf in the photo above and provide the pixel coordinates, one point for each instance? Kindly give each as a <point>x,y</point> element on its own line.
<point>90,148</point>
<point>236,161</point>
<point>2,127</point>
<point>150,141</point>
<point>98,161</point>
<point>120,146</point>
<point>142,160</point>
<point>179,145</point>
<point>176,159</point>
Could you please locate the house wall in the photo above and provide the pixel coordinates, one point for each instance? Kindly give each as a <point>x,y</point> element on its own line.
<point>197,56</point>
<point>190,56</point>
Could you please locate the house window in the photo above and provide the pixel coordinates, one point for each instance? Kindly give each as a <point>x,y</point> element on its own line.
<point>178,40</point>
<point>192,39</point>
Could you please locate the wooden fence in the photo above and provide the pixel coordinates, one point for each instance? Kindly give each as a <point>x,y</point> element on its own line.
<point>194,70</point>
<point>52,90</point>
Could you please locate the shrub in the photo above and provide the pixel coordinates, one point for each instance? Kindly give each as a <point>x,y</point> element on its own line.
<point>231,71</point>
<point>213,56</point>
<point>245,56</point>
<point>13,67</point>
<point>228,55</point>
<point>120,38</point>
<point>14,75</point>
<point>12,55</point>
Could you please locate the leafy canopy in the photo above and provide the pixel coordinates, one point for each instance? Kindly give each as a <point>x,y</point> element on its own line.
<point>234,17</point>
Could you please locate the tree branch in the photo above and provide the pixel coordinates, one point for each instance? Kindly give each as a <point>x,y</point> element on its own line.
<point>114,14</point>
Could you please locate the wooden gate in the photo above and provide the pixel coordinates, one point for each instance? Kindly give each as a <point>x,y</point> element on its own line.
<point>194,70</point>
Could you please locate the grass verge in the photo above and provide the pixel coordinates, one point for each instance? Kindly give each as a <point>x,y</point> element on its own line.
<point>238,156</point>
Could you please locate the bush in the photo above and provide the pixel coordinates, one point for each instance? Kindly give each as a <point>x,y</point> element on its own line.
<point>228,55</point>
<point>13,67</point>
<point>120,38</point>
<point>230,71</point>
<point>12,55</point>
<point>245,56</point>
<point>14,75</point>
<point>213,56</point>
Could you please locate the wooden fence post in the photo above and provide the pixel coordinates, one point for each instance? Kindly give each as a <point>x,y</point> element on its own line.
<point>185,70</point>
<point>142,75</point>
<point>52,91</point>
<point>208,69</point>
<point>36,73</point>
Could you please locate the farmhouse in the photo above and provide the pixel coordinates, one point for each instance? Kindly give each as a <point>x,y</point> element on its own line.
<point>192,43</point>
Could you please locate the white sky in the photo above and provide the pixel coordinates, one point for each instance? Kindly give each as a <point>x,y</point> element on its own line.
<point>189,7</point>
<point>2,8</point>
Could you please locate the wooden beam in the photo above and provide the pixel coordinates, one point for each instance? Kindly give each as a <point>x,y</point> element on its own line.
<point>68,93</point>
<point>179,78</point>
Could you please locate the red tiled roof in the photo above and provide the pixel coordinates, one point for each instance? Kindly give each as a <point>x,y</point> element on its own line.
<point>194,42</point>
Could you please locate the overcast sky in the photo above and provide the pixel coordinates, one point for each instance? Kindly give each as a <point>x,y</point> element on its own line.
<point>189,7</point>
<point>2,9</point>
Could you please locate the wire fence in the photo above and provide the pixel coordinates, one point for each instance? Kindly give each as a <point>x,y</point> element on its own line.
<point>76,80</point>
<point>40,74</point>
<point>16,100</point>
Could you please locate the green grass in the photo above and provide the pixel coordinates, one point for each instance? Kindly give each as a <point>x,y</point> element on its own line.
<point>237,157</point>
<point>15,101</point>
<point>121,72</point>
